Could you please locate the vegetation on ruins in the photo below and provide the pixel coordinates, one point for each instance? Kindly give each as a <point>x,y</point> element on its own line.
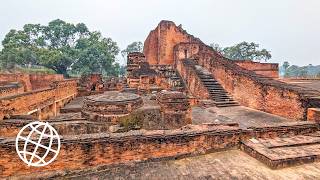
<point>243,51</point>
<point>60,46</point>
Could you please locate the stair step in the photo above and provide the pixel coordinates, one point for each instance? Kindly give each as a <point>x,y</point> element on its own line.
<point>299,149</point>
<point>222,98</point>
<point>217,91</point>
<point>225,102</point>
<point>227,105</point>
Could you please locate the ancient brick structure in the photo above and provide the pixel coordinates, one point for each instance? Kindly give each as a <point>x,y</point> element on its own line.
<point>266,69</point>
<point>110,106</point>
<point>158,47</point>
<point>175,109</point>
<point>140,75</point>
<point>32,81</point>
<point>90,83</point>
<point>134,59</point>
<point>10,88</point>
<point>112,128</point>
<point>42,103</point>
<point>169,44</point>
<point>78,152</point>
<point>44,81</point>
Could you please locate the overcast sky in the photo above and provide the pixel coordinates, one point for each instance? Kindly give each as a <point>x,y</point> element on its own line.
<point>290,29</point>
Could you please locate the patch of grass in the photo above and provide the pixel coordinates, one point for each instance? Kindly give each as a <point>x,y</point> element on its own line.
<point>132,122</point>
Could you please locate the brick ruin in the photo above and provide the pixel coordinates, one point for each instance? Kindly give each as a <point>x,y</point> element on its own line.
<point>152,114</point>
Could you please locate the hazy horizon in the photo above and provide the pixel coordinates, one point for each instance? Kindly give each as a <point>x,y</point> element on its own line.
<point>288,28</point>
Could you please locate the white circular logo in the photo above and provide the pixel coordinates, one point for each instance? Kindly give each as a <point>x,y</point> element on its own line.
<point>38,144</point>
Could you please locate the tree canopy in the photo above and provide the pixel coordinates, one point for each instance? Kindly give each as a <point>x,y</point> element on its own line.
<point>311,71</point>
<point>133,47</point>
<point>243,51</point>
<point>60,46</point>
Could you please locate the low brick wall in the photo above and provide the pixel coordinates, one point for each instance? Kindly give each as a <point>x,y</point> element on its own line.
<point>11,89</point>
<point>87,150</point>
<point>33,101</point>
<point>40,81</point>
<point>10,128</point>
<point>23,79</point>
<point>266,69</point>
<point>84,151</point>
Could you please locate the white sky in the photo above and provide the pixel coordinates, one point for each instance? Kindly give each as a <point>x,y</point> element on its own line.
<point>290,29</point>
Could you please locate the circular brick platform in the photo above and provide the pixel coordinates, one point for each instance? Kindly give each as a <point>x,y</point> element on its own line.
<point>110,105</point>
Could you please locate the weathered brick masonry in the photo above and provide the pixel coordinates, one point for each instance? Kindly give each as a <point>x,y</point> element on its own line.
<point>32,81</point>
<point>194,84</point>
<point>39,102</point>
<point>78,152</point>
<point>40,81</point>
<point>9,89</point>
<point>88,150</point>
<point>168,44</point>
<point>266,69</point>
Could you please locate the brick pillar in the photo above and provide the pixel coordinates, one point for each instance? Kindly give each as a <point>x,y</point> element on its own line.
<point>175,109</point>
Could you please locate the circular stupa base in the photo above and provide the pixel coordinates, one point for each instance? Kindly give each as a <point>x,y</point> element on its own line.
<point>110,106</point>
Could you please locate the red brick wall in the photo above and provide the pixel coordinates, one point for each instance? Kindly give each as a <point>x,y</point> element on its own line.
<point>24,79</point>
<point>192,81</point>
<point>11,89</point>
<point>248,87</point>
<point>265,69</point>
<point>26,102</point>
<point>158,47</point>
<point>32,81</point>
<point>40,81</point>
<point>251,89</point>
<point>84,151</point>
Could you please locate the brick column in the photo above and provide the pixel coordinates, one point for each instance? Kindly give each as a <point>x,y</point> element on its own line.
<point>175,109</point>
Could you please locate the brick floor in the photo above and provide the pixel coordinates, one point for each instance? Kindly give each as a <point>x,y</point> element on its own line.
<point>232,164</point>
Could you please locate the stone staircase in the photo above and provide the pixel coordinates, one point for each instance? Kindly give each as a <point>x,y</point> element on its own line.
<point>217,93</point>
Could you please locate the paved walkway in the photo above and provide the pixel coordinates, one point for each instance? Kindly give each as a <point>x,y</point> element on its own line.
<point>232,164</point>
<point>245,117</point>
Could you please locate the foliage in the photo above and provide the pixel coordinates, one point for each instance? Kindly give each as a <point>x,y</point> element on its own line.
<point>132,122</point>
<point>96,54</point>
<point>59,46</point>
<point>304,71</point>
<point>243,51</point>
<point>133,47</point>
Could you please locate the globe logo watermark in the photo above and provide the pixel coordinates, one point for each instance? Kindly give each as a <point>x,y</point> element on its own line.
<point>38,144</point>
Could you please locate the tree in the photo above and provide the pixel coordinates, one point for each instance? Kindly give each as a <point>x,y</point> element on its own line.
<point>133,47</point>
<point>96,54</point>
<point>243,51</point>
<point>285,67</point>
<point>216,47</point>
<point>59,46</point>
